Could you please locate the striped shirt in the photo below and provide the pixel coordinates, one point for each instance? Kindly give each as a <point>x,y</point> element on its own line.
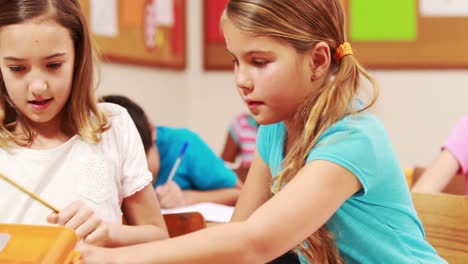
<point>244,132</point>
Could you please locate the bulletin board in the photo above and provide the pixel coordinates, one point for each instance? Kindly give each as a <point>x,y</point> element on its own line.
<point>215,56</point>
<point>439,42</point>
<point>132,32</point>
<point>383,34</point>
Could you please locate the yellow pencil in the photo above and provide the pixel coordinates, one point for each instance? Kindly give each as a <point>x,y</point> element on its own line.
<point>32,195</point>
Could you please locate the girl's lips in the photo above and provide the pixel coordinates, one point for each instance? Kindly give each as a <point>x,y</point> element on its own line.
<point>40,105</point>
<point>253,105</point>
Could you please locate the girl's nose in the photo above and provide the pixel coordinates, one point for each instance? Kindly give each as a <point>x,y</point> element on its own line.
<point>243,82</point>
<point>38,87</point>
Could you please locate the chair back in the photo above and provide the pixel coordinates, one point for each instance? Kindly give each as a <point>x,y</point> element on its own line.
<point>445,221</point>
<point>183,223</point>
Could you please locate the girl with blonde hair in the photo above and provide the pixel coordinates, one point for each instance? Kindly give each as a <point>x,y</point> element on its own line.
<point>324,181</point>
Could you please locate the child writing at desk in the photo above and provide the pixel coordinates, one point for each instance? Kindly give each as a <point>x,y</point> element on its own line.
<point>201,175</point>
<point>338,191</point>
<point>56,141</point>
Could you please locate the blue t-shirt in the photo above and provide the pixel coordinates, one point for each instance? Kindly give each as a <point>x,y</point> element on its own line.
<point>200,169</point>
<point>379,223</point>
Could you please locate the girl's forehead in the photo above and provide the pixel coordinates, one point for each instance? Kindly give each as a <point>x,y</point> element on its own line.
<point>240,41</point>
<point>34,38</point>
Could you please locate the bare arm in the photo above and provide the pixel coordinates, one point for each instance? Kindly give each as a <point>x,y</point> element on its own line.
<point>256,189</point>
<point>144,219</point>
<point>438,174</point>
<point>258,239</point>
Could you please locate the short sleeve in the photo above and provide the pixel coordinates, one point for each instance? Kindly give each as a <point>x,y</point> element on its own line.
<point>457,144</point>
<point>135,174</point>
<point>355,146</point>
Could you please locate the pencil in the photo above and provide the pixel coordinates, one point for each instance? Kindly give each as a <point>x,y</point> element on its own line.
<point>177,162</point>
<point>26,191</point>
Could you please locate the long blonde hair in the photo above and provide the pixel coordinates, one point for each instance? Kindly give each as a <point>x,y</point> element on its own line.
<point>80,113</point>
<point>303,24</point>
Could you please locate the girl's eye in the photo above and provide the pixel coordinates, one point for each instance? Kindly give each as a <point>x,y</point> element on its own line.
<point>258,62</point>
<point>54,66</point>
<point>17,68</point>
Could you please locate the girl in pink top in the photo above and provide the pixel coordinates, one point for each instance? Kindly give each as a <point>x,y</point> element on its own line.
<point>452,160</point>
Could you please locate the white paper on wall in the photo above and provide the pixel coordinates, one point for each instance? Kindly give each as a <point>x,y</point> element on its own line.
<point>164,10</point>
<point>444,8</point>
<point>103,18</point>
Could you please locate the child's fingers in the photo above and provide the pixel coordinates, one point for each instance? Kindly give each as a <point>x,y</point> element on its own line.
<point>68,212</point>
<point>88,227</point>
<point>164,190</point>
<point>52,218</point>
<point>80,217</point>
<point>164,200</point>
<point>98,237</point>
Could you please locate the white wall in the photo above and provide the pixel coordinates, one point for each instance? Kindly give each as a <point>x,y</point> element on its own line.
<point>418,108</point>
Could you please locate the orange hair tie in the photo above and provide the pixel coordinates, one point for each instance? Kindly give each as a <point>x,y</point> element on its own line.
<point>343,50</point>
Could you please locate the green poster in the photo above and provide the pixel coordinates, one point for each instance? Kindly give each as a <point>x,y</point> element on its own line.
<point>382,20</point>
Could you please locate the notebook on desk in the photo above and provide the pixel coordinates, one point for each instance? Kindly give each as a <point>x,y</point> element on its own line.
<point>212,212</point>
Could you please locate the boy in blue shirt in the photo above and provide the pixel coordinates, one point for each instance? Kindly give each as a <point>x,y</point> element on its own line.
<point>201,175</point>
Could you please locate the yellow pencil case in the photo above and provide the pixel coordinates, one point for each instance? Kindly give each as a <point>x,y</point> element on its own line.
<point>27,244</point>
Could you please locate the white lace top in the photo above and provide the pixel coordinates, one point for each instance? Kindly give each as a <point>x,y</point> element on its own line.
<point>100,175</point>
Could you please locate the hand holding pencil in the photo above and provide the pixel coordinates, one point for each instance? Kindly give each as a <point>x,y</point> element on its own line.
<point>77,215</point>
<point>169,194</point>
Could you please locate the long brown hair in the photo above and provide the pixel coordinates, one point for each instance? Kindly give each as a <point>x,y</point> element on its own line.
<point>80,113</point>
<point>303,24</point>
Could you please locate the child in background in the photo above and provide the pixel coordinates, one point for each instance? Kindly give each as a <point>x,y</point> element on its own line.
<point>56,141</point>
<point>452,159</point>
<point>201,175</point>
<point>329,163</point>
<point>240,143</point>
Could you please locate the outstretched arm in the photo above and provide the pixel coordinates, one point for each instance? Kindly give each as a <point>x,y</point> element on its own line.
<point>257,239</point>
<point>438,174</point>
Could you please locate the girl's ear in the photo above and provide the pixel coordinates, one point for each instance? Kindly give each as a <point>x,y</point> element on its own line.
<point>319,60</point>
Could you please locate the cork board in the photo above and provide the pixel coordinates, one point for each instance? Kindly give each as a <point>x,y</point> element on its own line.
<point>137,36</point>
<point>439,42</point>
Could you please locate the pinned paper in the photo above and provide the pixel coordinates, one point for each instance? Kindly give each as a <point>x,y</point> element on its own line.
<point>372,20</point>
<point>131,12</point>
<point>104,17</point>
<point>164,10</point>
<point>444,8</point>
<point>150,28</point>
<point>160,38</point>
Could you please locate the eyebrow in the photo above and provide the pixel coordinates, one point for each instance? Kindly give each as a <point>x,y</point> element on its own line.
<point>10,58</point>
<point>251,52</point>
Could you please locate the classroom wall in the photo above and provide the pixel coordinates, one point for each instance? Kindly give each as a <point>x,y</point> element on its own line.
<point>418,108</point>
